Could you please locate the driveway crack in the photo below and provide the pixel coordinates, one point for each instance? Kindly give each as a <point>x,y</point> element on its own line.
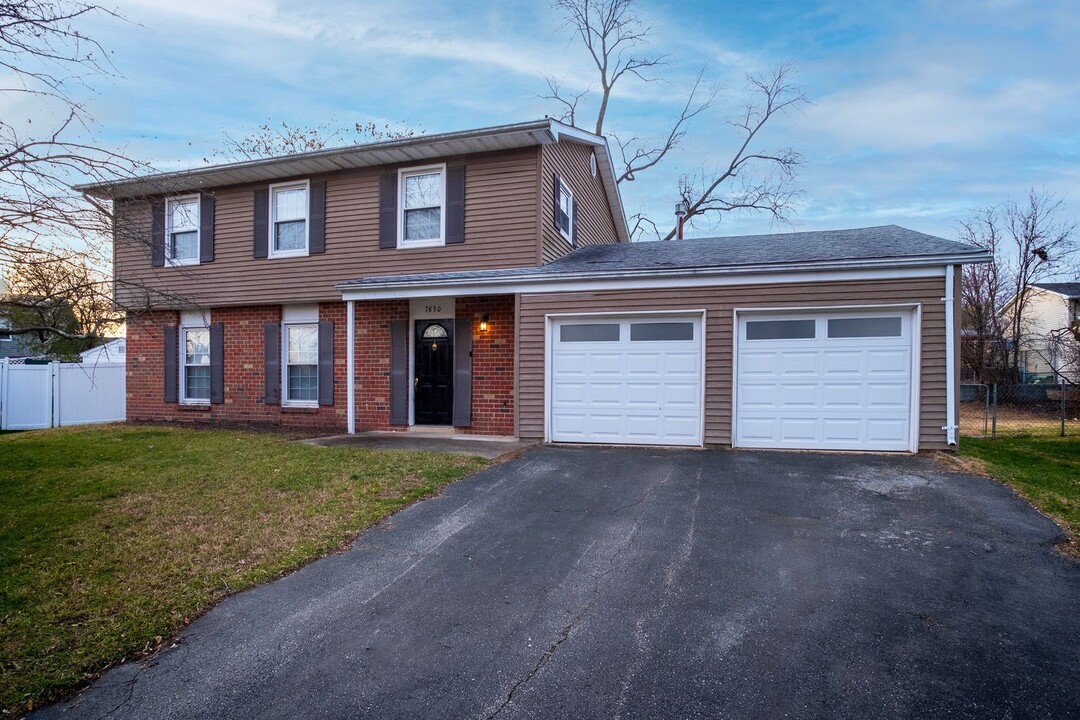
<point>564,635</point>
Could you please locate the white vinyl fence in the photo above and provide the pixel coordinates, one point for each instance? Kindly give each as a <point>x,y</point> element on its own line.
<point>33,397</point>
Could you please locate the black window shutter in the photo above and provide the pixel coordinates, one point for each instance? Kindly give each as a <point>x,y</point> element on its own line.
<point>463,374</point>
<point>217,363</point>
<point>573,222</point>
<point>399,373</point>
<point>326,362</point>
<point>317,217</point>
<point>455,204</point>
<point>261,223</point>
<point>388,211</point>
<point>272,382</point>
<point>172,357</point>
<point>157,235</point>
<point>558,190</point>
<point>206,228</point>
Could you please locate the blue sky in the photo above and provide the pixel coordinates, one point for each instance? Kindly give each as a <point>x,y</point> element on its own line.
<point>920,110</point>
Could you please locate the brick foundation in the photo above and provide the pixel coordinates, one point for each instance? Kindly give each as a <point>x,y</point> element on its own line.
<point>244,353</point>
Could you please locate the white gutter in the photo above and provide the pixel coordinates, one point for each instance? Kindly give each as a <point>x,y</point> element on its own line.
<point>950,358</point>
<point>350,365</point>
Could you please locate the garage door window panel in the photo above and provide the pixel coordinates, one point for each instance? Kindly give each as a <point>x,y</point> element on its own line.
<point>865,327</point>
<point>781,330</point>
<point>589,332</point>
<point>661,332</point>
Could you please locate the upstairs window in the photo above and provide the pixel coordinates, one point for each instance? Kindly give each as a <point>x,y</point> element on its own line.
<point>289,220</point>
<point>182,230</point>
<point>422,193</point>
<point>564,212</point>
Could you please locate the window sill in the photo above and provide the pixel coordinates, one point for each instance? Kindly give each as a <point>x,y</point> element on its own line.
<point>403,245</point>
<point>287,254</point>
<point>193,407</point>
<point>181,263</point>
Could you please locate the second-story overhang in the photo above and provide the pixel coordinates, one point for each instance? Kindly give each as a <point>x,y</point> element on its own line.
<point>417,149</point>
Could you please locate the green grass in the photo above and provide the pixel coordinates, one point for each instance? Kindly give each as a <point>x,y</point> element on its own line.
<point>1045,470</point>
<point>113,538</point>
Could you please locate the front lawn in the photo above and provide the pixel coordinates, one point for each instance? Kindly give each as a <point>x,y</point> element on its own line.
<point>1045,470</point>
<point>112,538</point>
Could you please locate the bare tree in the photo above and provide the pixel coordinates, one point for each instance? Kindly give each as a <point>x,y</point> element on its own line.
<point>980,297</point>
<point>284,139</point>
<point>49,60</point>
<point>61,300</point>
<point>754,180</point>
<point>1043,246</point>
<point>1030,244</point>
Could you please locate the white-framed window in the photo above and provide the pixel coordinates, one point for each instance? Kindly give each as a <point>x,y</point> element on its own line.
<point>421,206</point>
<point>195,365</point>
<point>564,216</point>
<point>5,329</point>
<point>301,364</point>
<point>289,219</point>
<point>182,230</point>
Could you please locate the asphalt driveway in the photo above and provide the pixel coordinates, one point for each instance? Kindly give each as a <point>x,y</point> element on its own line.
<point>578,583</point>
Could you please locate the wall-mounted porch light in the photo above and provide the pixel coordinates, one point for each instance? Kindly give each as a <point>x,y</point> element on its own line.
<point>483,323</point>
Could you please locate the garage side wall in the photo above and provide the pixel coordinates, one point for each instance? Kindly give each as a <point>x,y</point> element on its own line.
<point>719,304</point>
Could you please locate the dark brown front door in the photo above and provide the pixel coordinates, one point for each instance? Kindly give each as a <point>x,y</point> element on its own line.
<point>433,392</point>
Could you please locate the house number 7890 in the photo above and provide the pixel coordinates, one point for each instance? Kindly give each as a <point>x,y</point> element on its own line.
<point>433,308</point>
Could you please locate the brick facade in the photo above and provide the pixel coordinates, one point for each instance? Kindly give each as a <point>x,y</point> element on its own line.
<point>492,362</point>
<point>244,353</point>
<point>373,362</point>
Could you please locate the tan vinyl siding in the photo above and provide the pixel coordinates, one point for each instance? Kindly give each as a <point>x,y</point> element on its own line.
<point>719,304</point>
<point>500,232</point>
<point>570,161</point>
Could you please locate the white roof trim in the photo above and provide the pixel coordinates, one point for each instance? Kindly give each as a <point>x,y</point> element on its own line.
<point>644,280</point>
<point>607,171</point>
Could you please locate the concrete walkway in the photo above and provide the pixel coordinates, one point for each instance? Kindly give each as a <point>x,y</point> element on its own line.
<point>486,446</point>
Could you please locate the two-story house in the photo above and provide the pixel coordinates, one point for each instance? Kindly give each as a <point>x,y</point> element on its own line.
<point>484,281</point>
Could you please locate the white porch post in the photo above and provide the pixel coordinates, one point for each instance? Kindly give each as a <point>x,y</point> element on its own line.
<point>950,356</point>
<point>350,343</point>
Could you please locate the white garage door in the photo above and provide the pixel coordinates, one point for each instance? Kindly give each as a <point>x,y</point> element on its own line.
<point>630,380</point>
<point>831,381</point>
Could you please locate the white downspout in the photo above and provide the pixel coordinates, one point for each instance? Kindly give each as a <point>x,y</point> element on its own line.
<point>350,365</point>
<point>950,357</point>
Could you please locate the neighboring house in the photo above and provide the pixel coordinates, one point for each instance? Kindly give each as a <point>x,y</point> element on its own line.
<point>30,312</point>
<point>1048,343</point>
<point>16,345</point>
<point>112,350</point>
<point>484,281</point>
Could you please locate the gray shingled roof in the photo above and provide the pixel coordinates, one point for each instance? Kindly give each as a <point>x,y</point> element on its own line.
<point>1071,290</point>
<point>886,244</point>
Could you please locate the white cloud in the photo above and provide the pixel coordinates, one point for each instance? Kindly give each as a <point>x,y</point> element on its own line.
<point>932,108</point>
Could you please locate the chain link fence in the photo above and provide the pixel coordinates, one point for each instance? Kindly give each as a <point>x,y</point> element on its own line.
<point>1009,410</point>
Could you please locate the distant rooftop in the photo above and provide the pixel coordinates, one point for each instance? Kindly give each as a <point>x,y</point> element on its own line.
<point>1069,289</point>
